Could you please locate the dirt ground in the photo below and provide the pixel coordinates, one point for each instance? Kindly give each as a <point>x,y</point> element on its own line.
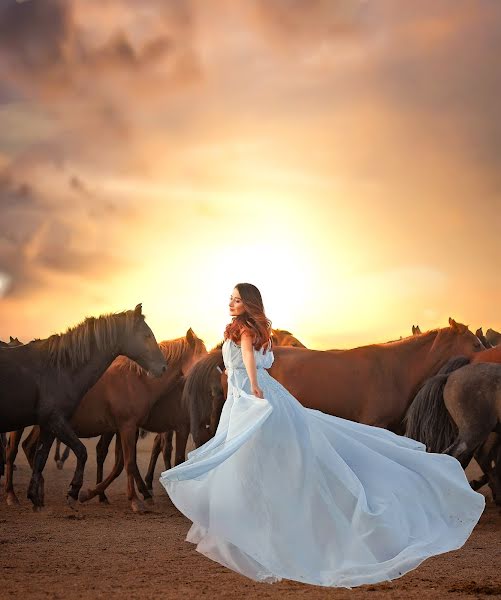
<point>112,553</point>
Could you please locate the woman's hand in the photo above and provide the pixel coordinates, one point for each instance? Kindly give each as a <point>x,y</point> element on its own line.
<point>257,391</point>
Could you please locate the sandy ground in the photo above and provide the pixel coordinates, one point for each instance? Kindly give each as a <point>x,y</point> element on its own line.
<point>112,553</point>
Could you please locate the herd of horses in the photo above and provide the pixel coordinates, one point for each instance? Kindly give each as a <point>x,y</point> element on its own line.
<point>109,377</point>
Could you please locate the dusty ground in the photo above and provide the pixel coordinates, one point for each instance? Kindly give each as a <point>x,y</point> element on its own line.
<point>113,553</point>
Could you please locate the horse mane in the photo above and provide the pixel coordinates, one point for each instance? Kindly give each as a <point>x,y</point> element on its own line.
<point>195,389</point>
<point>414,339</point>
<point>284,331</point>
<point>173,350</point>
<point>73,348</point>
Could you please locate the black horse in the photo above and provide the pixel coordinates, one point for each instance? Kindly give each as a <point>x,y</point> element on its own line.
<point>3,438</point>
<point>42,383</point>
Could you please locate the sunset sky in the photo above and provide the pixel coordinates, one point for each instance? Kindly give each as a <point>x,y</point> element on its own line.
<point>344,156</point>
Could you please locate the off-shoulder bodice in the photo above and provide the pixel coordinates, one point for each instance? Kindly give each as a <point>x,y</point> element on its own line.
<point>232,356</point>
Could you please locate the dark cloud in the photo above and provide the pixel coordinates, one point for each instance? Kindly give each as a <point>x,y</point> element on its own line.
<point>93,77</point>
<point>36,237</point>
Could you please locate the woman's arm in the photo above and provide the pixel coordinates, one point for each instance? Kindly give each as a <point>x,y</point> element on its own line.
<point>250,363</point>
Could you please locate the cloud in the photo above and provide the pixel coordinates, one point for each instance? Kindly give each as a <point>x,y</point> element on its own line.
<point>94,68</point>
<point>42,236</point>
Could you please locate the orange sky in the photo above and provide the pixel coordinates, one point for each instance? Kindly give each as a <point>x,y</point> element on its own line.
<point>343,156</point>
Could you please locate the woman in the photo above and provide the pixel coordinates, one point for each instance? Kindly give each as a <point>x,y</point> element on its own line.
<point>283,491</point>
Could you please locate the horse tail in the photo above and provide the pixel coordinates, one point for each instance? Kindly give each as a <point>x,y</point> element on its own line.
<point>427,419</point>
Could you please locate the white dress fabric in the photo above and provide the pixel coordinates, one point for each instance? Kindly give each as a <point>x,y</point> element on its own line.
<point>282,491</point>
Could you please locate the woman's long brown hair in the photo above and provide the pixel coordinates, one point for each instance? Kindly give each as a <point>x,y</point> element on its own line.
<point>253,319</point>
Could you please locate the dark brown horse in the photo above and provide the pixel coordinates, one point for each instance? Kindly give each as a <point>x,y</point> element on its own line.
<point>44,381</point>
<point>493,337</point>
<point>459,412</point>
<point>12,343</point>
<point>480,334</point>
<point>428,409</point>
<point>121,401</point>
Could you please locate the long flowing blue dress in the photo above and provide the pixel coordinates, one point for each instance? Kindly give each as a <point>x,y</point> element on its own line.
<point>283,491</point>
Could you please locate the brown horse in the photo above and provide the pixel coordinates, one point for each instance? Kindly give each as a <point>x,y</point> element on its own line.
<point>282,337</point>
<point>44,381</point>
<point>121,401</point>
<point>371,384</point>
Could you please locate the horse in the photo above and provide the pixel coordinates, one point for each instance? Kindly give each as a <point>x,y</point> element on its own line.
<point>428,421</point>
<point>460,414</point>
<point>282,337</point>
<point>493,337</point>
<point>480,334</point>
<point>12,343</point>
<point>122,399</point>
<point>371,384</point>
<point>44,381</point>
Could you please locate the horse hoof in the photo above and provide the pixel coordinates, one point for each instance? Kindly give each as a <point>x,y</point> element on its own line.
<point>138,507</point>
<point>149,501</point>
<point>12,500</point>
<point>60,464</point>
<point>72,503</point>
<point>36,508</point>
<point>84,495</point>
<point>103,499</point>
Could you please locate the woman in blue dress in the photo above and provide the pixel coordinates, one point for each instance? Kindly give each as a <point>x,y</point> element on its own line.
<point>287,492</point>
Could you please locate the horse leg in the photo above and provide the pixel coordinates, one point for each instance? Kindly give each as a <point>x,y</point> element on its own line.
<point>3,452</point>
<point>495,482</point>
<point>101,453</point>
<point>155,451</point>
<point>88,494</point>
<point>129,437</point>
<point>63,431</point>
<point>141,485</point>
<point>466,443</point>
<point>30,444</point>
<point>57,456</point>
<point>61,459</point>
<point>45,440</point>
<point>29,447</point>
<point>11,454</point>
<point>167,447</point>
<point>181,440</point>
<point>65,456</point>
<point>484,456</point>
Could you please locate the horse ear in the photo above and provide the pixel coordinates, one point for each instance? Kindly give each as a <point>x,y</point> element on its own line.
<point>190,337</point>
<point>453,323</point>
<point>12,339</point>
<point>413,330</point>
<point>138,311</point>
